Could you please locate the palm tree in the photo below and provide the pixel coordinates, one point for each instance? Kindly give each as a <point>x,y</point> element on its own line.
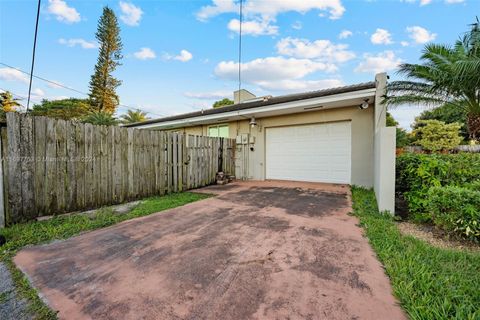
<point>448,75</point>
<point>100,118</point>
<point>133,116</point>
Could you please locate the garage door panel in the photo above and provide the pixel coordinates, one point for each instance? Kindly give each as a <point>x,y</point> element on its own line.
<point>318,153</point>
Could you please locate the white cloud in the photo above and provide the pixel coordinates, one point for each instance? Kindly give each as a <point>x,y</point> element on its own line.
<point>323,50</point>
<point>345,34</point>
<point>38,92</point>
<point>183,56</point>
<point>454,1</point>
<point>254,27</point>
<point>218,7</point>
<point>62,11</point>
<point>404,43</point>
<point>145,54</point>
<point>384,61</point>
<point>297,25</point>
<point>425,2</point>
<point>10,74</point>
<point>271,8</point>
<point>299,85</point>
<point>420,35</point>
<point>213,95</point>
<point>131,14</point>
<point>274,73</point>
<point>78,42</point>
<point>381,36</point>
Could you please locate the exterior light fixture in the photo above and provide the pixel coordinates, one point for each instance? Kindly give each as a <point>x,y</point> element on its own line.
<point>364,105</point>
<point>253,122</point>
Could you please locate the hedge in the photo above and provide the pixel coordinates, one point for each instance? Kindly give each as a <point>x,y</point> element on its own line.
<point>457,210</point>
<point>417,173</point>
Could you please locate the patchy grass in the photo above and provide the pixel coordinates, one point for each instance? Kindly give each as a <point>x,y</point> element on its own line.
<point>431,283</point>
<point>62,227</point>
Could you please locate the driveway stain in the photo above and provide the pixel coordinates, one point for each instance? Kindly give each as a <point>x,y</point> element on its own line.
<point>255,251</point>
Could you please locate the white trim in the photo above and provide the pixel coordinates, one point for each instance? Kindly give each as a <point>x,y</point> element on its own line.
<point>300,104</point>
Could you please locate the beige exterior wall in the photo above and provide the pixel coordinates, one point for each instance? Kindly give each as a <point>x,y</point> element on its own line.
<point>384,150</point>
<point>254,161</point>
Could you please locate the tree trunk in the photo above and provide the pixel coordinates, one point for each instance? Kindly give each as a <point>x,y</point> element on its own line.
<point>473,125</point>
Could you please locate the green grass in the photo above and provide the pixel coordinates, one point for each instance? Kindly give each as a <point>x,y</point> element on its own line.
<point>62,227</point>
<point>431,283</point>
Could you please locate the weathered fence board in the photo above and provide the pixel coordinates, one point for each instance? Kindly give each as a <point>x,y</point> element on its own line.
<point>55,166</point>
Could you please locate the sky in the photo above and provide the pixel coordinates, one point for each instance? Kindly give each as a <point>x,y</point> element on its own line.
<point>181,56</point>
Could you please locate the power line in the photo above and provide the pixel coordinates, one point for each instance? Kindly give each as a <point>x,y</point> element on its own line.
<point>240,48</point>
<point>14,94</point>
<point>33,54</point>
<point>73,89</point>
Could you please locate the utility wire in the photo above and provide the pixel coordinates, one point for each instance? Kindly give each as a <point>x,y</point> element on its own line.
<point>73,89</point>
<point>33,54</point>
<point>240,48</point>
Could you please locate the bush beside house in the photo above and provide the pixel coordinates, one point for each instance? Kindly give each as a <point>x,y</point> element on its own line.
<point>434,135</point>
<point>443,189</point>
<point>456,209</point>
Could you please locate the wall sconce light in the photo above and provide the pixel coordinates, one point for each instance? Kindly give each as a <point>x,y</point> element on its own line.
<point>253,122</point>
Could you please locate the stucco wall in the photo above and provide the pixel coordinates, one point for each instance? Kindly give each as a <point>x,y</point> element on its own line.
<point>362,138</point>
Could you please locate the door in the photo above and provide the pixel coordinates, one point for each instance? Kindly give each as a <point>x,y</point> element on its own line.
<point>314,152</point>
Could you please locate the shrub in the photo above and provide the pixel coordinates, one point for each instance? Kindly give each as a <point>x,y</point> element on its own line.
<point>434,135</point>
<point>417,173</point>
<point>457,210</point>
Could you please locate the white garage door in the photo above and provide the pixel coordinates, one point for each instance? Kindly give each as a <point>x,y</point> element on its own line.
<point>317,152</point>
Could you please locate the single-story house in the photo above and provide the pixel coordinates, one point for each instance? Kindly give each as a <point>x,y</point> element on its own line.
<point>336,135</point>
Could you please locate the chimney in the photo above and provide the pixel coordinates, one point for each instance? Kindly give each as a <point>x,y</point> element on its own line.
<point>241,95</point>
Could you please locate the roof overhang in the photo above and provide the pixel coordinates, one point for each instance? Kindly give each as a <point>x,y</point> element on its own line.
<point>340,100</point>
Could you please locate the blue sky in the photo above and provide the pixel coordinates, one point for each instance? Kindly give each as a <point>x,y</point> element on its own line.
<point>180,56</point>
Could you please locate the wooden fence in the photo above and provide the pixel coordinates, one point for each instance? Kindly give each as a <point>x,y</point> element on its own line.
<point>54,166</point>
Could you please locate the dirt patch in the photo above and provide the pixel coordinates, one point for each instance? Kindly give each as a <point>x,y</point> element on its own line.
<point>435,237</point>
<point>297,201</point>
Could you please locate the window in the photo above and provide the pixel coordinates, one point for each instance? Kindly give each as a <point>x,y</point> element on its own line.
<point>218,131</point>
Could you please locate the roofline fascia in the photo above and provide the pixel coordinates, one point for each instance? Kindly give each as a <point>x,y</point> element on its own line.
<point>274,107</point>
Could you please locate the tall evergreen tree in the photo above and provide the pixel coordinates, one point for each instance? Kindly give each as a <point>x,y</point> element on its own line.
<point>103,85</point>
<point>7,102</point>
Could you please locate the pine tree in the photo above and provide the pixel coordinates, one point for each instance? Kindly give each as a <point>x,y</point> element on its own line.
<point>103,85</point>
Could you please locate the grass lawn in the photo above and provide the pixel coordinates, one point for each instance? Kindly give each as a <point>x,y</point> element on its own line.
<point>63,227</point>
<point>431,283</point>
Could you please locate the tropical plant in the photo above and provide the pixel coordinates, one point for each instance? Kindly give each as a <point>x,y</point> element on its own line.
<point>434,135</point>
<point>456,209</point>
<point>100,118</point>
<point>448,75</point>
<point>133,116</point>
<point>222,103</point>
<point>66,109</point>
<point>103,85</point>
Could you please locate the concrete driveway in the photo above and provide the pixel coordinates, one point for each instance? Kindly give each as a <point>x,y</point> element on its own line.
<point>258,250</point>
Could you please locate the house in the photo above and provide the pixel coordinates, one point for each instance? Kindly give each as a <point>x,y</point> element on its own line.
<point>336,135</point>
